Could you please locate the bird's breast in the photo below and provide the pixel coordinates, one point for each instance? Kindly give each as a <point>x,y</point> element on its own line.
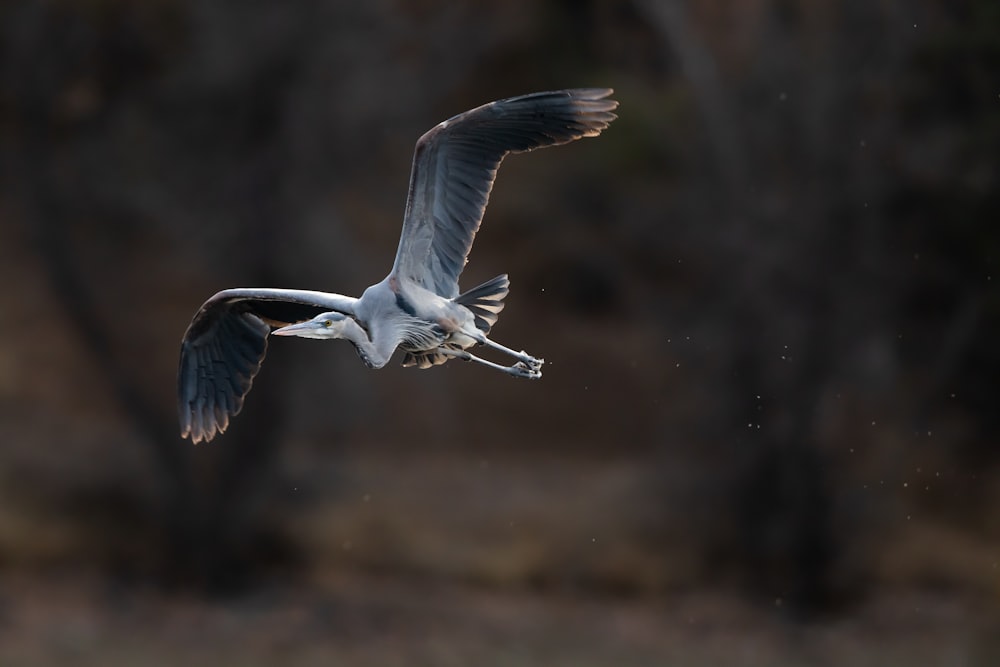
<point>423,335</point>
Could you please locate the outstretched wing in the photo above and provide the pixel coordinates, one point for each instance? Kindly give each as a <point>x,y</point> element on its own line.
<point>225,344</point>
<point>454,165</point>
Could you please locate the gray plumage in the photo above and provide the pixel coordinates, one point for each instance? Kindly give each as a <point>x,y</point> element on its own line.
<point>417,307</point>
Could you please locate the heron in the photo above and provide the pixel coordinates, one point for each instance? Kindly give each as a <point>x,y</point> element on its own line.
<point>417,307</point>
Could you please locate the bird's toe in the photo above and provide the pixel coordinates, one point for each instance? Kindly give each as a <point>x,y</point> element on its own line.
<point>521,369</point>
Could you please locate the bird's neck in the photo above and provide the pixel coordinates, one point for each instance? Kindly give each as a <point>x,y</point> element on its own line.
<point>370,353</point>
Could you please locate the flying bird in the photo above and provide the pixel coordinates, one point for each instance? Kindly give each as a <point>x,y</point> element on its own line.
<point>417,307</point>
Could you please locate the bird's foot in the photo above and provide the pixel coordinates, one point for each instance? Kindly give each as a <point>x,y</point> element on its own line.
<point>521,369</point>
<point>529,361</point>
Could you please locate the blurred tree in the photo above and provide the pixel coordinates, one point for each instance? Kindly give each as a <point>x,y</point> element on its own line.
<point>787,236</point>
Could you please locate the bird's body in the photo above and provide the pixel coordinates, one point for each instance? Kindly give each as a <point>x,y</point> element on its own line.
<point>417,307</point>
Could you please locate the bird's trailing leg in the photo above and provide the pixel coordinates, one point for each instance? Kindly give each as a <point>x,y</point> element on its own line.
<point>522,357</point>
<point>519,369</point>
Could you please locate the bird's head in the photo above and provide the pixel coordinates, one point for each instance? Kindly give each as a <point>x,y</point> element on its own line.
<point>327,325</point>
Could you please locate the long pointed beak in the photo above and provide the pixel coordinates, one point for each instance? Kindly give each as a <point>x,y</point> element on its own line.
<point>296,329</point>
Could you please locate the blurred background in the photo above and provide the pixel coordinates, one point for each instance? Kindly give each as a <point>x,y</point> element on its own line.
<point>767,296</point>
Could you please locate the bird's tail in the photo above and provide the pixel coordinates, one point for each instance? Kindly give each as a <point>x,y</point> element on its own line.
<point>486,301</point>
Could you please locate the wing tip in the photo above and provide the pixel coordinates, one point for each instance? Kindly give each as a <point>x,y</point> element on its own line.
<point>594,107</point>
<point>202,415</point>
<point>205,432</point>
<point>590,93</point>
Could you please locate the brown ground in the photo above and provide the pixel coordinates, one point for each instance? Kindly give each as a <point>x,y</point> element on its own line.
<point>363,620</point>
<point>508,562</point>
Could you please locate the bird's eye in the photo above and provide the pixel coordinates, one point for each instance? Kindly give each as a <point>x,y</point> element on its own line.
<point>327,323</point>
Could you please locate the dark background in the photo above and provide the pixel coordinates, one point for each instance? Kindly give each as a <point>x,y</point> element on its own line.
<point>767,297</point>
